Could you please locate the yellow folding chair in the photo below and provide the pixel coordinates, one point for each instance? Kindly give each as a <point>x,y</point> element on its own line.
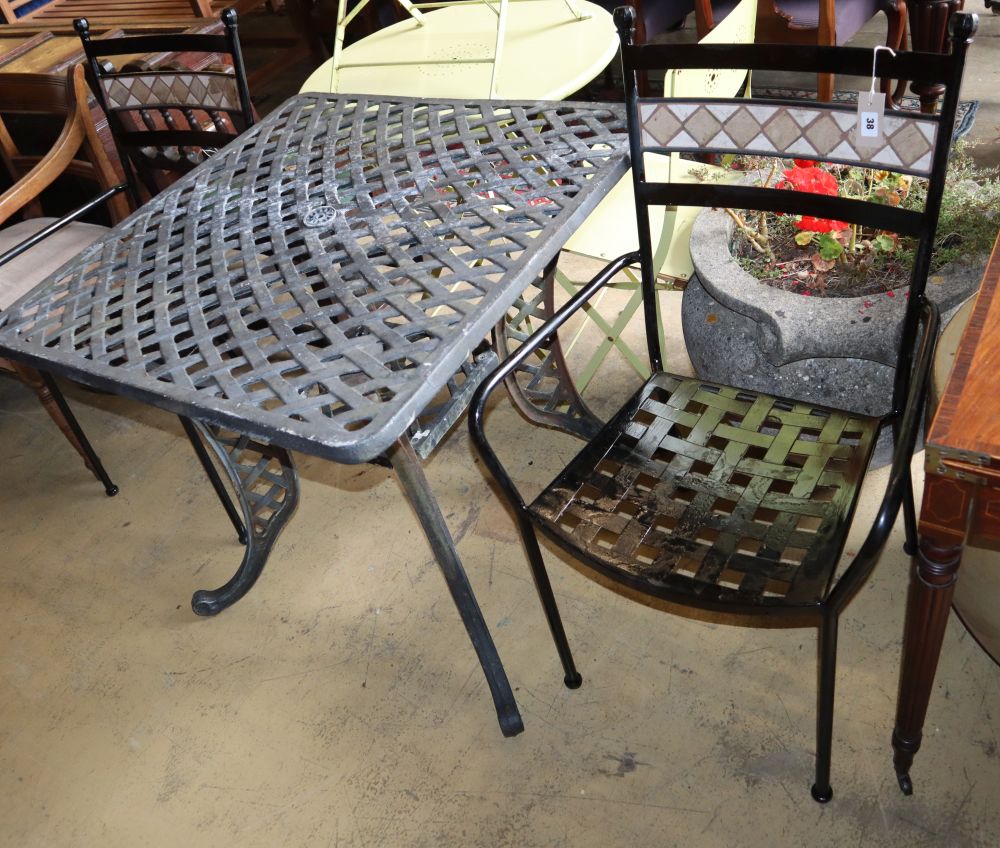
<point>442,48</point>
<point>610,230</point>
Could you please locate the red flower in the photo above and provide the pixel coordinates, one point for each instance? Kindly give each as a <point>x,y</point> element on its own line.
<point>813,180</point>
<point>819,225</point>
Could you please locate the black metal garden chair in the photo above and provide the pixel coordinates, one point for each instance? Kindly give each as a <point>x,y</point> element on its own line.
<point>714,496</point>
<point>165,120</point>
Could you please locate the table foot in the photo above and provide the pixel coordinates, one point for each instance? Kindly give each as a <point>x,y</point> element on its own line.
<point>411,477</point>
<point>905,784</point>
<point>265,482</point>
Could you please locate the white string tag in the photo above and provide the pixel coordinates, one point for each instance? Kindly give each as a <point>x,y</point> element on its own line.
<point>871,109</point>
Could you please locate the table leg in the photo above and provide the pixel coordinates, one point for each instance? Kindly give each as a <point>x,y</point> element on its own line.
<point>944,521</point>
<point>265,482</point>
<point>929,34</point>
<point>411,477</point>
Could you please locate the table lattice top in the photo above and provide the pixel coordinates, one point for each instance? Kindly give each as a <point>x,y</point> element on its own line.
<point>318,281</point>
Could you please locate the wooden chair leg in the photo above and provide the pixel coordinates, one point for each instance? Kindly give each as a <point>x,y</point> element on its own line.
<point>824,85</point>
<point>33,380</point>
<point>895,36</point>
<point>59,413</point>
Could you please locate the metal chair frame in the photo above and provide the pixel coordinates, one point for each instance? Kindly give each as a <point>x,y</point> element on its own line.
<point>166,120</point>
<point>722,498</point>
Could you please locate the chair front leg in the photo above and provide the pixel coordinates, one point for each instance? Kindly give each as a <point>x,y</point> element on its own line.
<point>821,789</point>
<point>44,386</point>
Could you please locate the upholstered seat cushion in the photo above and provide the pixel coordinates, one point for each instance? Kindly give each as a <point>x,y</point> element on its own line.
<point>23,273</point>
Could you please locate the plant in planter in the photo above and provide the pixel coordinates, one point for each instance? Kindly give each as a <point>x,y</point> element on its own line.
<point>792,303</point>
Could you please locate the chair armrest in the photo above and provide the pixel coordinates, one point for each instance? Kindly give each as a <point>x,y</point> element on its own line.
<point>905,428</point>
<point>45,172</point>
<point>55,226</point>
<point>507,367</point>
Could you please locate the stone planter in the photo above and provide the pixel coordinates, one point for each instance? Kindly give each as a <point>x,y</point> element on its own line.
<point>835,351</point>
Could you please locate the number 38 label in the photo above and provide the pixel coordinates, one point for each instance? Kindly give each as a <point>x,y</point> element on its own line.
<point>871,108</point>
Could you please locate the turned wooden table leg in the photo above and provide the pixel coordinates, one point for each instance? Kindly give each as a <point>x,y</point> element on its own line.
<point>929,33</point>
<point>33,380</point>
<point>944,523</point>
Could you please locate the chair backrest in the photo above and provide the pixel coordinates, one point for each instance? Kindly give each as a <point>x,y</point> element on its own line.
<point>167,120</point>
<point>78,151</point>
<point>913,143</point>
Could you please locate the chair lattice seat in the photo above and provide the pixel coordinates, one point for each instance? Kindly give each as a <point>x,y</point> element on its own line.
<point>707,491</point>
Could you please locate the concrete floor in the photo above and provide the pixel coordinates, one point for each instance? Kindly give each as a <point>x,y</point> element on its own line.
<point>340,703</point>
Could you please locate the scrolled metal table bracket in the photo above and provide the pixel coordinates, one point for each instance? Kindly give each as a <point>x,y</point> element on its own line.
<point>266,484</point>
<point>411,477</point>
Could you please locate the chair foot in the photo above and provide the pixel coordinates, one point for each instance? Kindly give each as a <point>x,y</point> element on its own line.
<point>111,490</point>
<point>905,784</point>
<point>573,681</point>
<point>821,795</point>
<point>909,550</point>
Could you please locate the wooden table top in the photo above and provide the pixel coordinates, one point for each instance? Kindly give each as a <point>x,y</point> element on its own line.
<point>34,50</point>
<point>968,416</point>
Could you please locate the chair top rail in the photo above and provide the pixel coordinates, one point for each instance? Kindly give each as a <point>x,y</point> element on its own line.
<point>822,131</point>
<point>174,42</point>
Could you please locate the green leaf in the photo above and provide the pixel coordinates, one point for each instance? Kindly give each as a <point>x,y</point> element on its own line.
<point>803,237</point>
<point>829,247</point>
<point>885,243</point>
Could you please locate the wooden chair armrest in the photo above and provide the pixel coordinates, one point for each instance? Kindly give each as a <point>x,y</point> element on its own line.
<point>48,169</point>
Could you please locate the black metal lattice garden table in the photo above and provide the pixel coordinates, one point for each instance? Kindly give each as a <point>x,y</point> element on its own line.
<point>320,284</point>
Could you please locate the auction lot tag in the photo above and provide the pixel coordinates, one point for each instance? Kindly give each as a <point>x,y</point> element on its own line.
<point>871,109</point>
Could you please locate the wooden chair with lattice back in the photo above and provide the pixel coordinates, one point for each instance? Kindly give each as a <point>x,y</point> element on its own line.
<point>167,120</point>
<point>33,248</point>
<point>724,498</point>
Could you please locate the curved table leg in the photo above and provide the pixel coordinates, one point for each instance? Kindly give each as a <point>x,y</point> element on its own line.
<point>929,34</point>
<point>266,485</point>
<point>411,477</point>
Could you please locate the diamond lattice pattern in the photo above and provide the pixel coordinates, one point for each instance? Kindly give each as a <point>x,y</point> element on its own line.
<point>821,131</point>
